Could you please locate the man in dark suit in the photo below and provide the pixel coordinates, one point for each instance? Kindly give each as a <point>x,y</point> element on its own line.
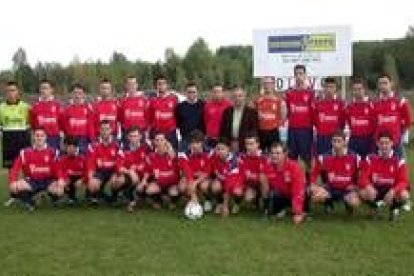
<point>238,120</point>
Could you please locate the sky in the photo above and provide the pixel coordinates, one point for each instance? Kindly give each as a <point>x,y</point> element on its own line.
<point>57,31</point>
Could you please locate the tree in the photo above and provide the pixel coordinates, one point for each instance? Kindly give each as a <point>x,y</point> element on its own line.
<point>390,68</point>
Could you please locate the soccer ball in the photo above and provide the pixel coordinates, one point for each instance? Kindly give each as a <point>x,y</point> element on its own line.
<point>193,210</point>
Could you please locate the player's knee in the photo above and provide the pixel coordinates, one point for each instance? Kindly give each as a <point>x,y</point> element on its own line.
<point>153,189</point>
<point>173,191</point>
<point>404,195</point>
<point>368,193</point>
<point>216,187</point>
<point>204,187</point>
<point>353,200</point>
<point>238,192</point>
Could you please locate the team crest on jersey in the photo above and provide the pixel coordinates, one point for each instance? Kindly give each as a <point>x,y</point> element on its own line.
<point>393,106</point>
<point>202,163</point>
<point>347,167</point>
<point>46,158</point>
<point>274,106</point>
<point>335,107</point>
<point>112,152</point>
<point>170,105</point>
<point>53,109</point>
<point>366,111</point>
<point>287,177</point>
<point>157,173</point>
<point>169,163</point>
<point>391,169</point>
<point>113,108</point>
<point>305,98</point>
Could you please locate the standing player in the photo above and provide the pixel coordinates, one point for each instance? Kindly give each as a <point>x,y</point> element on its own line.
<point>384,177</point>
<point>76,118</point>
<point>101,164</point>
<point>286,182</point>
<point>162,111</point>
<point>329,116</point>
<point>338,170</point>
<point>213,111</point>
<point>104,109</point>
<point>46,113</point>
<point>40,173</point>
<point>271,110</point>
<point>392,113</point>
<point>360,120</point>
<point>133,109</point>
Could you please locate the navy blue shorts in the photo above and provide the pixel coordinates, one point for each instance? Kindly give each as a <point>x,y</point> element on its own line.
<point>381,192</point>
<point>39,185</point>
<point>53,141</point>
<point>323,144</point>
<point>103,175</point>
<point>338,194</point>
<point>300,142</point>
<point>268,137</point>
<point>362,145</point>
<point>279,202</point>
<point>83,143</point>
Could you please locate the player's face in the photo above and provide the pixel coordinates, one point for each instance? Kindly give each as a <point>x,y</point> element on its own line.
<point>192,93</point>
<point>106,131</point>
<point>105,89</point>
<point>160,143</point>
<point>131,85</point>
<point>45,90</point>
<point>330,89</point>
<point>222,151</point>
<point>71,149</point>
<point>78,95</point>
<point>134,137</point>
<point>217,92</point>
<point>251,146</point>
<point>39,137</point>
<point>268,85</point>
<point>12,93</point>
<point>300,76</point>
<point>338,144</point>
<point>196,147</point>
<point>277,155</point>
<point>359,91</point>
<point>384,85</point>
<point>385,145</point>
<point>162,85</point>
<point>239,98</point>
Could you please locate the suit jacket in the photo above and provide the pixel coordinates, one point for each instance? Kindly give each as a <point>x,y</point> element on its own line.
<point>248,124</point>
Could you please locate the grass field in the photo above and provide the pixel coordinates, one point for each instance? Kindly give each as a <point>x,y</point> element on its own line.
<point>89,241</point>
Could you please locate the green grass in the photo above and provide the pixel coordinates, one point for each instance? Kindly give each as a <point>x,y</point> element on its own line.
<point>88,241</point>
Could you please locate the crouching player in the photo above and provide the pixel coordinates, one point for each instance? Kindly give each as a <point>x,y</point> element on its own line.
<point>131,167</point>
<point>286,182</point>
<point>226,181</point>
<point>40,173</point>
<point>384,178</point>
<point>73,167</point>
<point>162,178</point>
<point>199,164</point>
<point>250,164</point>
<point>101,165</point>
<point>339,170</point>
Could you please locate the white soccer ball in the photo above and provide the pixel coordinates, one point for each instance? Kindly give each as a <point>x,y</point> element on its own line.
<point>193,210</point>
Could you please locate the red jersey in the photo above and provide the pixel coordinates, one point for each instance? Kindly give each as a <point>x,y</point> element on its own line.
<point>37,164</point>
<point>46,114</point>
<point>72,166</point>
<point>198,163</point>
<point>341,170</point>
<point>299,105</point>
<point>133,159</point>
<point>213,111</point>
<point>269,110</point>
<point>359,116</point>
<point>221,169</point>
<point>289,181</point>
<point>161,112</point>
<point>104,110</point>
<point>388,172</point>
<point>328,116</point>
<point>76,119</point>
<point>392,114</point>
<point>133,111</point>
<point>166,169</point>
<point>102,156</point>
<point>251,166</point>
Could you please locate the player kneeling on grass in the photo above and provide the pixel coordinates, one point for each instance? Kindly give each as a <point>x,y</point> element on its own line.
<point>339,170</point>
<point>131,167</point>
<point>250,164</point>
<point>286,182</point>
<point>73,167</point>
<point>162,178</point>
<point>223,164</point>
<point>40,173</point>
<point>101,165</point>
<point>199,164</point>
<point>384,178</point>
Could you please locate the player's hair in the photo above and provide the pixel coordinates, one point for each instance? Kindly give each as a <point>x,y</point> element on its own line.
<point>71,141</point>
<point>12,83</point>
<point>223,141</point>
<point>159,77</point>
<point>358,80</point>
<point>105,80</point>
<point>339,133</point>
<point>276,145</point>
<point>384,134</point>
<point>132,129</point>
<point>157,133</point>
<point>130,77</point>
<point>299,67</point>
<point>38,128</point>
<point>216,84</point>
<point>329,80</point>
<point>196,136</point>
<point>77,85</point>
<point>190,84</point>
<point>252,135</point>
<point>385,75</point>
<point>43,81</point>
<point>268,77</point>
<point>105,122</point>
